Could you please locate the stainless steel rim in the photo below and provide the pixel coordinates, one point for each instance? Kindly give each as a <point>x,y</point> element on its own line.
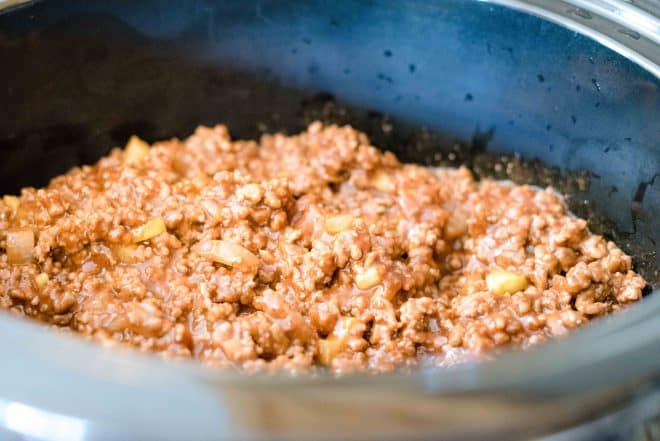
<point>631,29</point>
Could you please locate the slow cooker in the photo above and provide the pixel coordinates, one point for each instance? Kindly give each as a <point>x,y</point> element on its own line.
<point>548,92</point>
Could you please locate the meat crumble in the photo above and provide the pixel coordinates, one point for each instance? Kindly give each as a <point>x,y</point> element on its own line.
<point>299,252</point>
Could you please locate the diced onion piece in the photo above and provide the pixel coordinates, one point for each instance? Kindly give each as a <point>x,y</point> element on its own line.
<point>11,201</point>
<point>456,226</point>
<point>336,341</point>
<point>149,230</point>
<point>337,224</point>
<point>368,278</point>
<point>230,254</point>
<point>383,181</point>
<point>502,282</point>
<point>125,253</point>
<point>328,349</point>
<point>136,149</point>
<point>345,326</point>
<point>20,246</point>
<point>41,280</point>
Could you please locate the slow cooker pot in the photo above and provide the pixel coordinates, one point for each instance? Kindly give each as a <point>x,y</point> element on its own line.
<point>563,93</point>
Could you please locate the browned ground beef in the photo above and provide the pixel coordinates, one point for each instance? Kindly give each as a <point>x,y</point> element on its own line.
<point>315,249</point>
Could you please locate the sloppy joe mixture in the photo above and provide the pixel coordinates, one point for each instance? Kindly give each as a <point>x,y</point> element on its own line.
<point>304,251</point>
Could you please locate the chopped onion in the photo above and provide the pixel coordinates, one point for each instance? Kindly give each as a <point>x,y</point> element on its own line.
<point>338,223</point>
<point>149,230</point>
<point>368,278</point>
<point>12,202</point>
<point>20,246</point>
<point>230,254</point>
<point>125,253</point>
<point>455,226</point>
<point>136,149</point>
<point>41,280</point>
<point>382,181</point>
<point>328,349</point>
<point>503,282</point>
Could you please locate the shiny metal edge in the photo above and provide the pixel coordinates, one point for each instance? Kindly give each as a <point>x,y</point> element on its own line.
<point>631,31</point>
<point>629,28</point>
<point>643,21</point>
<point>5,5</point>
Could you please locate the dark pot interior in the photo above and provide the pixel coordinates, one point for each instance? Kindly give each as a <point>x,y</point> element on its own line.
<point>446,83</point>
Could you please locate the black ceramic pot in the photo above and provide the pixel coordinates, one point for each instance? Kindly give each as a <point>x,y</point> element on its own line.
<point>567,95</point>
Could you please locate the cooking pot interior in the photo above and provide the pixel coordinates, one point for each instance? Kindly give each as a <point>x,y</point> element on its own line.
<point>440,83</point>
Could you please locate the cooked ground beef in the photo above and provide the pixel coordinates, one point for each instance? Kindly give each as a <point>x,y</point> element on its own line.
<point>301,251</point>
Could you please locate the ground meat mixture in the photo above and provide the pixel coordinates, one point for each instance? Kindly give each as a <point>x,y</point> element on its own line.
<point>304,251</point>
